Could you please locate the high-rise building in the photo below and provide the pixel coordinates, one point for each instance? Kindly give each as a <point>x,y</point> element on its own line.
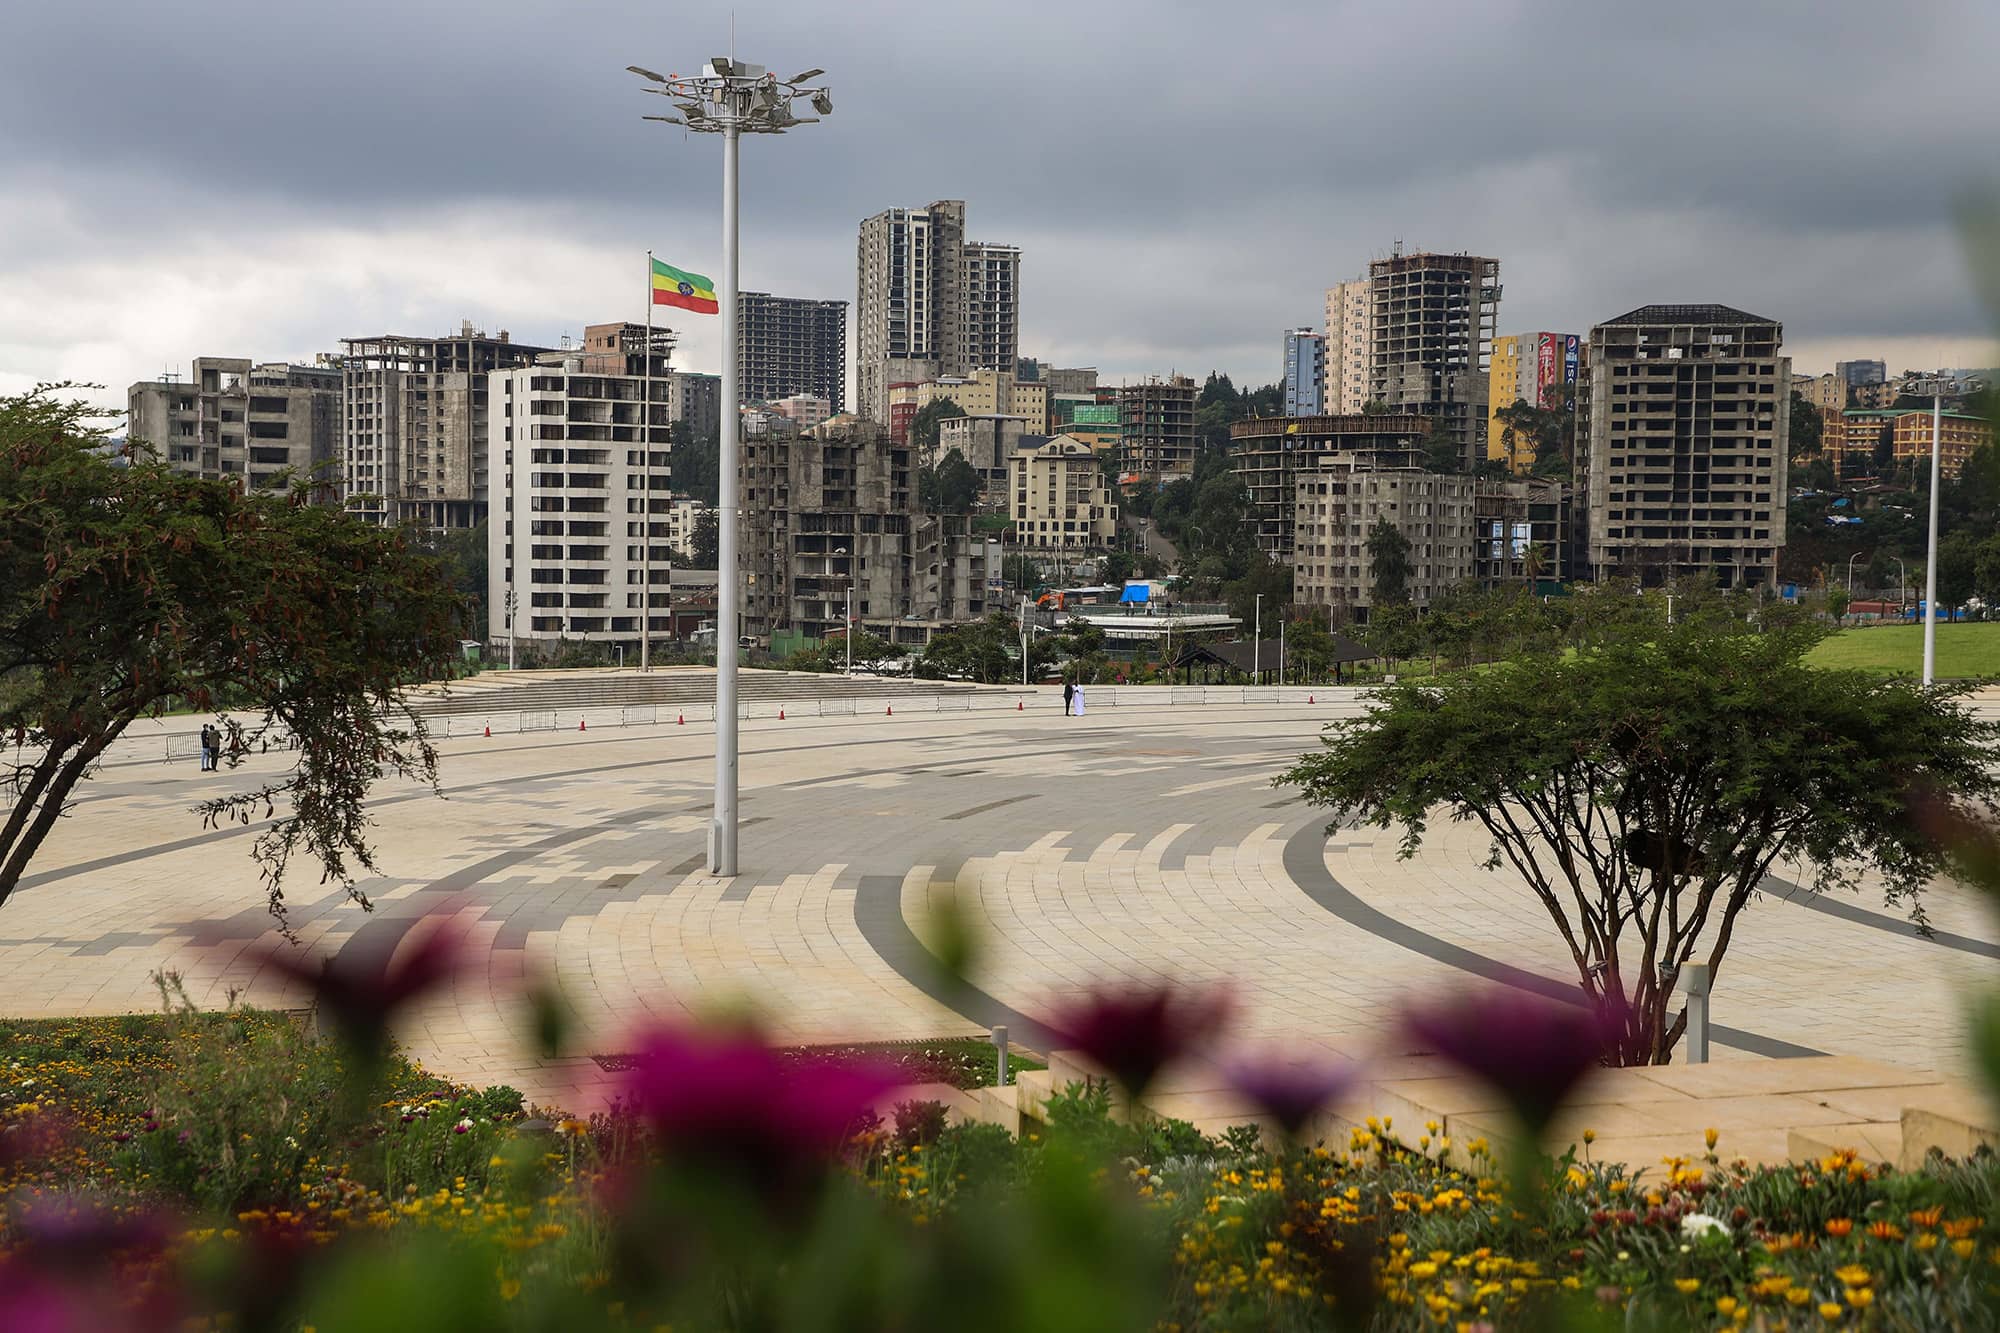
<point>1349,323</point>
<point>1156,428</point>
<point>1433,321</point>
<point>1684,476</point>
<point>581,533</point>
<point>1305,373</point>
<point>930,303</point>
<point>1867,442</point>
<point>789,345</point>
<point>264,424</point>
<point>696,398</point>
<point>1531,368</point>
<point>414,425</point>
<point>1862,372</point>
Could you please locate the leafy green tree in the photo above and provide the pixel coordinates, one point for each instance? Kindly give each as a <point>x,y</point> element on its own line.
<point>1117,567</point>
<point>1957,570</point>
<point>1442,451</point>
<point>1392,632</point>
<point>1643,790</point>
<point>1837,599</point>
<point>927,426</point>
<point>705,542</point>
<point>951,486</point>
<point>1986,577</point>
<point>985,651</point>
<point>1272,578</point>
<point>463,553</point>
<point>696,464</point>
<point>1806,428</point>
<point>126,590</point>
<point>1388,564</point>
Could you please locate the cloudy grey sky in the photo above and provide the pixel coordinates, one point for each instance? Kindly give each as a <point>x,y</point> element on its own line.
<point>228,178</point>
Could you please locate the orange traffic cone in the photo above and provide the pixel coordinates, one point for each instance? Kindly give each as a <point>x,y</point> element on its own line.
<point>489,733</point>
<point>581,725</point>
<point>781,715</point>
<point>1019,706</point>
<point>682,720</point>
<point>1311,699</point>
<point>890,710</point>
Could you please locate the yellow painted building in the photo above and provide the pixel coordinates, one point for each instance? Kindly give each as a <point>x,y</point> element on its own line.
<point>989,393</point>
<point>1517,374</point>
<point>1060,498</point>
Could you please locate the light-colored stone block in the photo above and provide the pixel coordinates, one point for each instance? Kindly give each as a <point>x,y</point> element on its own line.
<point>1874,1140</point>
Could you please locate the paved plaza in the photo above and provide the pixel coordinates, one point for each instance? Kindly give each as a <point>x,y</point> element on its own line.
<point>1136,844</point>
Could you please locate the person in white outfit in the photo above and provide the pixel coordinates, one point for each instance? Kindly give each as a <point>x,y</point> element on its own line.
<point>1077,703</point>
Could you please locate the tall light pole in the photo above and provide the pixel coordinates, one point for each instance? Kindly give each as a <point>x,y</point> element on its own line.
<point>1937,387</point>
<point>732,98</point>
<point>1850,572</point>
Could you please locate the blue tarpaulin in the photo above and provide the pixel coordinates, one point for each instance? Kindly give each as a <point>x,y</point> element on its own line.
<point>1135,592</point>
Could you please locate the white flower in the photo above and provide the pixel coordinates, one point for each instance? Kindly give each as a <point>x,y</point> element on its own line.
<point>291,1142</point>
<point>462,1126</point>
<point>1701,1224</point>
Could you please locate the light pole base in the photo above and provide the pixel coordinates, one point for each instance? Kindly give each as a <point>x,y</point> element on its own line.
<point>721,849</point>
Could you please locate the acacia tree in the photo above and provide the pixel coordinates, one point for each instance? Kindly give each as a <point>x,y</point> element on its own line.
<point>1389,563</point>
<point>127,588</point>
<point>1644,788</point>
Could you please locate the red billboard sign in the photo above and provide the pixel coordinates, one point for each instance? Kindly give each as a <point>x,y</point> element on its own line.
<point>1548,366</point>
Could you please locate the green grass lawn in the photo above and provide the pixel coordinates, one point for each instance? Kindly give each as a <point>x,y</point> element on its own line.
<point>1962,650</point>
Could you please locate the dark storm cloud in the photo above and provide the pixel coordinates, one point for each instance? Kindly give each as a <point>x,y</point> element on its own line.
<point>1187,177</point>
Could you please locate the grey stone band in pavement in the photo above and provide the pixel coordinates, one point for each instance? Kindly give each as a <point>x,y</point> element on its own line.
<point>1799,895</point>
<point>1305,864</point>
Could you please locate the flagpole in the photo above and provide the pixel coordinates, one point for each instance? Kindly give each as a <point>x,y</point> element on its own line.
<point>646,479</point>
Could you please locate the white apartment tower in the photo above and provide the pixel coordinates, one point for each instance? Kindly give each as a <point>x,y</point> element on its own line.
<point>1348,321</point>
<point>930,303</point>
<point>581,527</point>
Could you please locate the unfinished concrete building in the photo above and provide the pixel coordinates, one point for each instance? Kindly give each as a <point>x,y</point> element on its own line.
<point>1269,452</point>
<point>1521,532</point>
<point>1340,499</point>
<point>413,447</point>
<point>1432,322</point>
<point>834,509</point>
<point>1156,429</point>
<point>262,424</point>
<point>1689,408</point>
<point>789,345</point>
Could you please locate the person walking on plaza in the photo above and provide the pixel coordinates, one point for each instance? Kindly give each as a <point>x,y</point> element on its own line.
<point>1069,696</point>
<point>1079,699</point>
<point>209,745</point>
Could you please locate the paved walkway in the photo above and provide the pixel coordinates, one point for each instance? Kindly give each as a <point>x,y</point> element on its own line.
<point>1134,844</point>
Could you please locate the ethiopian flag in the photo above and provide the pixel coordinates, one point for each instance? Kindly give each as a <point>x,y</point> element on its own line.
<point>690,291</point>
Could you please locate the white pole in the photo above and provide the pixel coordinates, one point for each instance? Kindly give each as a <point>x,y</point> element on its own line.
<point>1930,563</point>
<point>722,828</point>
<point>1257,642</point>
<point>1281,653</point>
<point>646,496</point>
<point>1024,641</point>
<point>850,624</point>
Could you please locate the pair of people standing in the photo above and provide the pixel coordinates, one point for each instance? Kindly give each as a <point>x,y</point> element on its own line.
<point>1072,699</point>
<point>211,747</point>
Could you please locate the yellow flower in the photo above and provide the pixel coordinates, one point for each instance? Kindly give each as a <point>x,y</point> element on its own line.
<point>1589,1136</point>
<point>1725,1305</point>
<point>1853,1275</point>
<point>1709,1136</point>
<point>1687,1286</point>
<point>509,1289</point>
<point>1859,1297</point>
<point>1831,1312</point>
<point>1964,1249</point>
<point>1423,1269</point>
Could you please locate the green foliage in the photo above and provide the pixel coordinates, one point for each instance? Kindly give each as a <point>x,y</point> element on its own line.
<point>1958,560</point>
<point>705,542</point>
<point>1806,428</point>
<point>949,487</point>
<point>124,590</point>
<point>1388,564</point>
<point>697,466</point>
<point>927,426</point>
<point>1666,771</point>
<point>986,651</point>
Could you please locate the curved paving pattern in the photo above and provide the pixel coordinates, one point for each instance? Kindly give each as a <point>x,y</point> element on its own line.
<point>1139,844</point>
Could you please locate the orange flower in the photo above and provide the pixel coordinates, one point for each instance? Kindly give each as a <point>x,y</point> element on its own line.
<point>1885,1231</point>
<point>1839,1227</point>
<point>1927,1217</point>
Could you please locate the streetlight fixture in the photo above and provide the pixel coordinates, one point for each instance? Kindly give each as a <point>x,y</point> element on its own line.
<point>732,98</point>
<point>1937,388</point>
<point>1257,642</point>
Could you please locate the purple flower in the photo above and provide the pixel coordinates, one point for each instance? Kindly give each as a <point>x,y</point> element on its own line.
<point>361,997</point>
<point>1134,1034</point>
<point>1292,1093</point>
<point>1532,1051</point>
<point>63,1274</point>
<point>728,1099</point>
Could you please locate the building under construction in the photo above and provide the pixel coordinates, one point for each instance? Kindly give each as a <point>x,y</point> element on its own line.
<point>1690,418</point>
<point>790,345</point>
<point>834,510</point>
<point>1269,452</point>
<point>1433,320</point>
<point>1156,429</point>
<point>413,443</point>
<point>263,425</point>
